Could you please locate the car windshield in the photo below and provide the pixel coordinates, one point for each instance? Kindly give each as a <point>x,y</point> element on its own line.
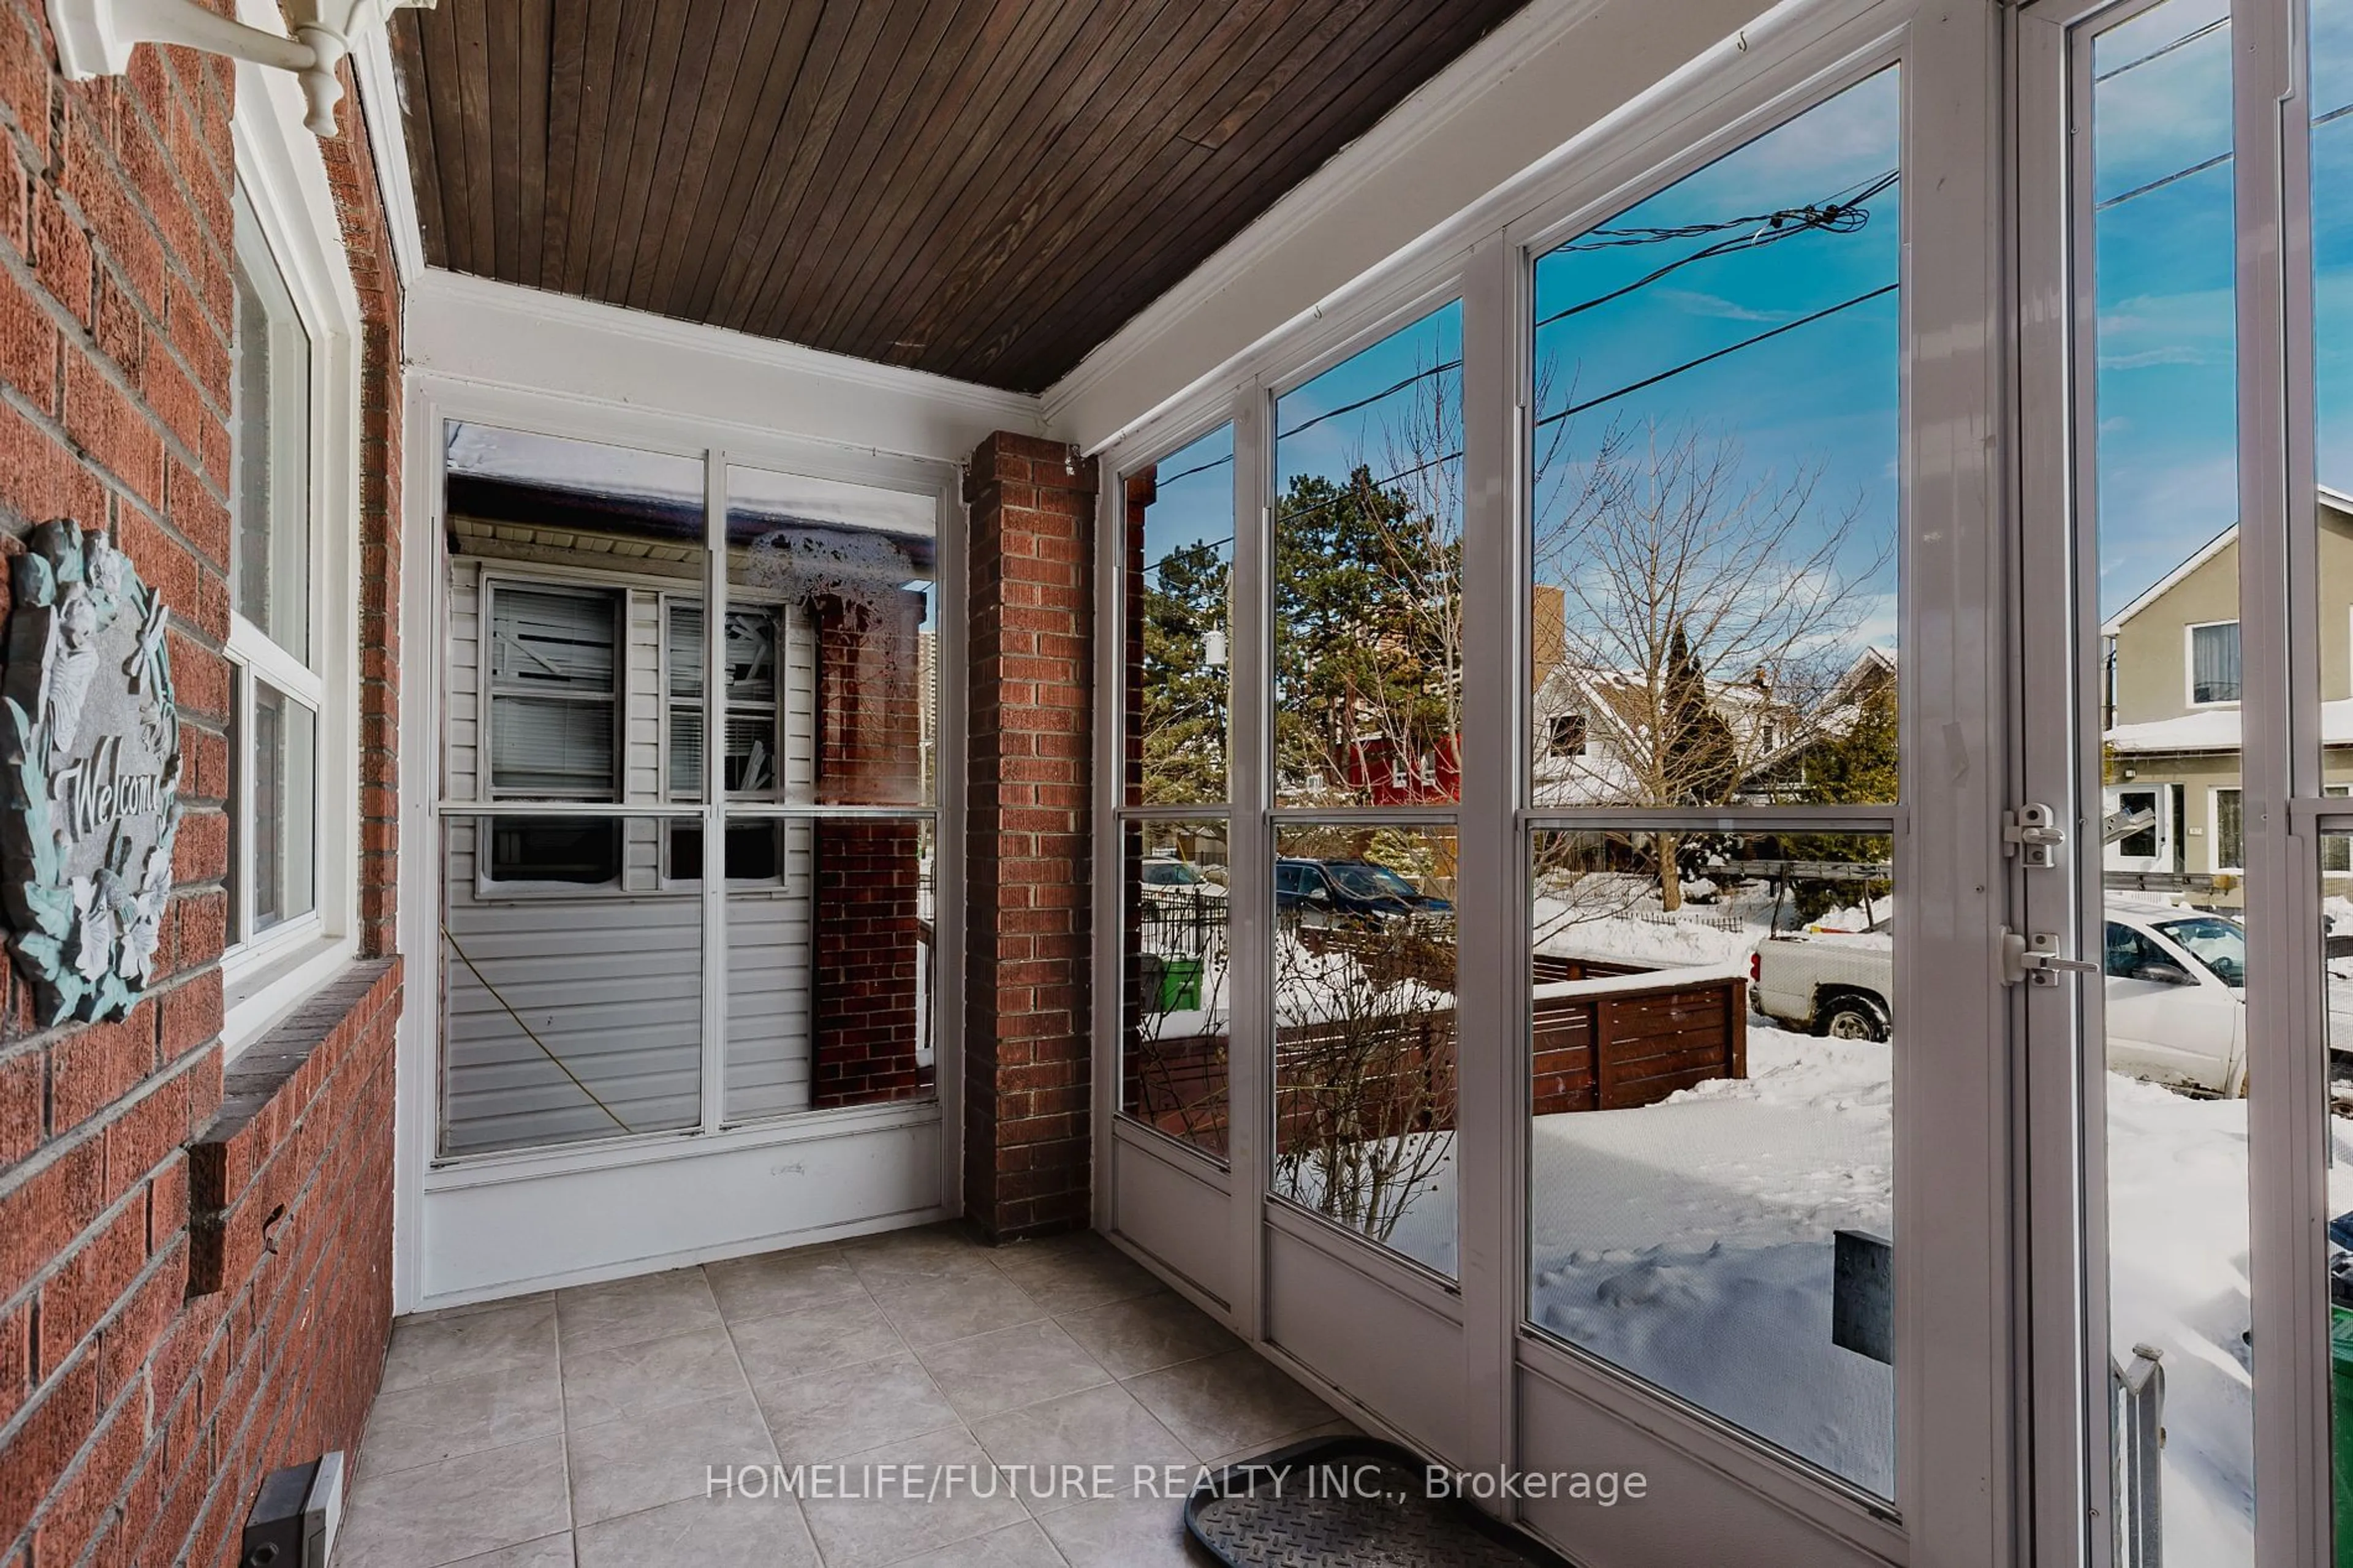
<point>1171,873</point>
<point>1367,880</point>
<point>2220,944</point>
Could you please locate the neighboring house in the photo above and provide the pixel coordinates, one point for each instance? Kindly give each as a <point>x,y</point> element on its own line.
<point>1591,728</point>
<point>2171,741</point>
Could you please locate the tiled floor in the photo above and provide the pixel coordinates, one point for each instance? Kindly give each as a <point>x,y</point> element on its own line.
<point>582,1427</point>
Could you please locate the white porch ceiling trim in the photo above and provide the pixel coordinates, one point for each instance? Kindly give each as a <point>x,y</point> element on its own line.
<point>381,110</point>
<point>505,335</point>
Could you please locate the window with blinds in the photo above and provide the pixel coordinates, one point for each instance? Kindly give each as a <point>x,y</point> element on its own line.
<point>754,733</point>
<point>553,693</point>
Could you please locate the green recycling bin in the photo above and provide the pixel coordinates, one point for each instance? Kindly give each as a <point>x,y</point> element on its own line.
<point>1180,985</point>
<point>2340,1358</point>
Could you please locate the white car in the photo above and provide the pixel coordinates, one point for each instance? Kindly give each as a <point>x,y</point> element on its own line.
<point>2176,991</point>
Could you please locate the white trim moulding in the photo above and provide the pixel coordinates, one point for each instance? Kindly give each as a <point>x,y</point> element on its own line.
<point>477,330</point>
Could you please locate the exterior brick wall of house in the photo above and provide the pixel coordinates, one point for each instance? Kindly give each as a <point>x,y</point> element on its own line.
<point>1027,1047</point>
<point>194,1263</point>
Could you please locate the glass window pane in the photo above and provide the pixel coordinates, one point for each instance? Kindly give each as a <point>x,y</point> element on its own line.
<point>271,441</point>
<point>573,982</point>
<point>2329,76</point>
<point>1179,586</point>
<point>1177,1002</point>
<point>284,761</point>
<point>1713,605</point>
<point>1710,1201</point>
<point>563,556</point>
<point>1368,574</point>
<point>1364,1041</point>
<point>832,640</point>
<point>2155,185</point>
<point>830,964</point>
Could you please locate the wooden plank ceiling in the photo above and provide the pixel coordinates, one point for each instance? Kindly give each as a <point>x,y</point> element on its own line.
<point>982,188</point>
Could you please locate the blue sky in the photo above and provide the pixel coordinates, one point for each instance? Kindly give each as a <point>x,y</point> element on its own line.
<point>1821,399</point>
<point>1824,397</point>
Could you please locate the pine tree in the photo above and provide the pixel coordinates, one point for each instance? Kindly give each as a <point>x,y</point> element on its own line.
<point>1186,699</point>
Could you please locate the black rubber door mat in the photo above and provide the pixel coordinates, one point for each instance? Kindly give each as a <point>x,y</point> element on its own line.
<point>1345,1502</point>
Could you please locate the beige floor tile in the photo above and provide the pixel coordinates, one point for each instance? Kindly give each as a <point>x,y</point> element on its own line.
<point>1022,1545</point>
<point>1009,1368</point>
<point>456,1509</point>
<point>1131,1533</point>
<point>547,1551</point>
<point>1131,1338</point>
<point>776,1283</point>
<point>615,1383</point>
<point>1228,1402</point>
<point>439,1420</point>
<point>470,1342</point>
<point>866,1532</point>
<point>933,1252</point>
<point>1097,1427</point>
<point>624,1466</point>
<point>1070,1273</point>
<point>929,1310</point>
<point>1259,1449</point>
<point>626,1311</point>
<point>825,1414</point>
<point>721,1531</point>
<point>815,1339</point>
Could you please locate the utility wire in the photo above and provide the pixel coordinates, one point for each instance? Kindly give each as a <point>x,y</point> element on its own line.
<point>1843,212</point>
<point>1594,402</point>
<point>1807,320</point>
<point>2216,161</point>
<point>2162,50</point>
<point>1767,228</point>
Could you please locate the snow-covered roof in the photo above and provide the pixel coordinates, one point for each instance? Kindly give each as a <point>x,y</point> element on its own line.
<point>2217,730</point>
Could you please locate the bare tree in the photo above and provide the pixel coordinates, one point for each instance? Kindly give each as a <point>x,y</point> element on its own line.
<point>1705,612</point>
<point>1365,1092</point>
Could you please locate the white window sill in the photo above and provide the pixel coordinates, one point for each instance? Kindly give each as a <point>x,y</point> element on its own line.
<point>260,987</point>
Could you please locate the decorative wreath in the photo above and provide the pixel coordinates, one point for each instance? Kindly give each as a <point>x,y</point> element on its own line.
<point>86,938</point>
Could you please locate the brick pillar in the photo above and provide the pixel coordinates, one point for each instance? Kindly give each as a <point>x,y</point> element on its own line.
<point>1026,1083</point>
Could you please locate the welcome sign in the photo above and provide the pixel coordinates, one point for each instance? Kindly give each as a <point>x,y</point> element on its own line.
<point>90,748</point>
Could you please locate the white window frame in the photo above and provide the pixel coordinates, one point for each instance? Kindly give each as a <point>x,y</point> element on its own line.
<point>2214,793</point>
<point>2190,665</point>
<point>278,166</point>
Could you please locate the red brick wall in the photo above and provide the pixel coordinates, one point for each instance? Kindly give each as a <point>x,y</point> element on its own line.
<point>870,941</point>
<point>868,947</point>
<point>137,1415</point>
<point>1027,1158</point>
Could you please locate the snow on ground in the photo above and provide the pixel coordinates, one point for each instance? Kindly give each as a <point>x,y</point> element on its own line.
<point>1690,1243</point>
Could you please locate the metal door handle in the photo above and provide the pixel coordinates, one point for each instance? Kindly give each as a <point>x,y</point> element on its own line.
<point>2033,960</point>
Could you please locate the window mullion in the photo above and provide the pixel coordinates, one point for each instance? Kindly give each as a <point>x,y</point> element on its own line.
<point>714,805</point>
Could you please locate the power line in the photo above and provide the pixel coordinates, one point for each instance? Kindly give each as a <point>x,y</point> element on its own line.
<point>2216,161</point>
<point>1589,403</point>
<point>1842,212</point>
<point>2162,50</point>
<point>1830,217</point>
<point>1826,312</point>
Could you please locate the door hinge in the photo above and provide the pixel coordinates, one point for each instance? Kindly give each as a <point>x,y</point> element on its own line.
<point>2034,959</point>
<point>2032,833</point>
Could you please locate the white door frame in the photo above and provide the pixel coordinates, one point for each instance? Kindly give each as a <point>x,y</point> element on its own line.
<point>2285,806</point>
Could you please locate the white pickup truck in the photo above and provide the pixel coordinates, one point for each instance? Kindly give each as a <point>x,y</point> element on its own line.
<point>2176,993</point>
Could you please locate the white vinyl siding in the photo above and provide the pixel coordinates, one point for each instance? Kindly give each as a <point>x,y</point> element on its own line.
<point>609,978</point>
